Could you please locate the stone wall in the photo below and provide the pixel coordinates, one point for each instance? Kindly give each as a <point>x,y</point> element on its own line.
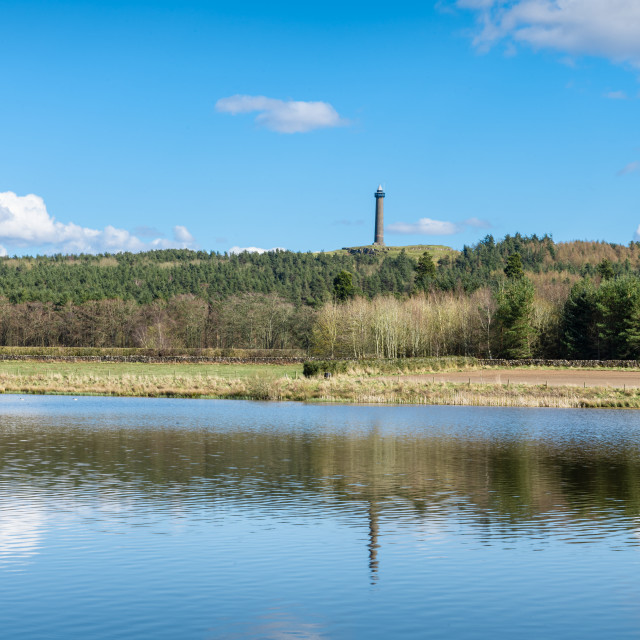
<point>191,359</point>
<point>153,359</point>
<point>629,364</point>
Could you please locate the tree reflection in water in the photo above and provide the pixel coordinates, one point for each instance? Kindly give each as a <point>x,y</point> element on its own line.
<point>503,482</point>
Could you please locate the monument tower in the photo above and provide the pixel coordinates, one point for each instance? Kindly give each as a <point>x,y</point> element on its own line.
<point>379,235</point>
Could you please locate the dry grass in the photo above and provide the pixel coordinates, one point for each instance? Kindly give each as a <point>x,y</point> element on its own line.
<point>108,261</point>
<point>560,377</point>
<point>414,251</point>
<point>347,388</point>
<point>111,370</point>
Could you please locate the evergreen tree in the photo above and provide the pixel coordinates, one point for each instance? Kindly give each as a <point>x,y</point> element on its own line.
<point>514,269</point>
<point>343,286</point>
<point>425,271</point>
<point>605,269</point>
<point>580,315</point>
<point>619,326</point>
<point>513,315</point>
<point>631,329</point>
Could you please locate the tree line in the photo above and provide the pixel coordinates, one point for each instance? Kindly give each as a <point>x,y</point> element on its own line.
<point>594,319</point>
<point>519,297</point>
<point>249,321</point>
<point>298,278</point>
<point>597,318</point>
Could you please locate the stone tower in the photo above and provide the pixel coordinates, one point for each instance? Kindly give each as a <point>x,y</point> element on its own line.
<point>379,234</point>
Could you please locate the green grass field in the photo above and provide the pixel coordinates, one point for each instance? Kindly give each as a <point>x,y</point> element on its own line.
<point>414,251</point>
<point>119,369</point>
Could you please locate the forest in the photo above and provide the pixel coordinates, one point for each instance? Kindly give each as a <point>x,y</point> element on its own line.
<point>522,296</point>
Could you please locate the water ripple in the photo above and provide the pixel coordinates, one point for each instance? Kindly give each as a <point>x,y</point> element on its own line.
<point>202,519</point>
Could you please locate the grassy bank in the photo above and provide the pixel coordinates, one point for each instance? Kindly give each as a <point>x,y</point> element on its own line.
<point>422,366</point>
<point>393,366</point>
<point>105,352</point>
<point>265,382</point>
<point>114,370</point>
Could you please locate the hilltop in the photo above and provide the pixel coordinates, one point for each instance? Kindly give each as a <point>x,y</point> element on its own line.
<point>414,251</point>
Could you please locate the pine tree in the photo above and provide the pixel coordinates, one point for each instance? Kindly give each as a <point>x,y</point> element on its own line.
<point>425,271</point>
<point>514,269</point>
<point>605,269</point>
<point>513,315</point>
<point>343,286</point>
<point>619,326</point>
<point>579,322</point>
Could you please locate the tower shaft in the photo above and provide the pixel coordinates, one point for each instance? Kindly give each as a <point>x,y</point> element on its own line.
<point>379,230</point>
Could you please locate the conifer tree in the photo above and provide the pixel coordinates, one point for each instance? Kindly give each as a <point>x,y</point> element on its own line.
<point>605,269</point>
<point>425,271</point>
<point>619,326</point>
<point>513,315</point>
<point>579,322</point>
<point>514,269</point>
<point>343,286</point>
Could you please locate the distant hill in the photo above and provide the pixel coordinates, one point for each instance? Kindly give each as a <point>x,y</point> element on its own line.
<point>301,278</point>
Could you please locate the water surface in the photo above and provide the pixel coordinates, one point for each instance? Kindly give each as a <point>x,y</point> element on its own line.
<point>138,518</point>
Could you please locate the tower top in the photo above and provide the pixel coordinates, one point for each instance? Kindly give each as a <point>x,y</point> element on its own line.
<point>379,193</point>
<point>379,187</point>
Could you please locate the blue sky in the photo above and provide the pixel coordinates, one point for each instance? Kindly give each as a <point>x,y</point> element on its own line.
<point>133,125</point>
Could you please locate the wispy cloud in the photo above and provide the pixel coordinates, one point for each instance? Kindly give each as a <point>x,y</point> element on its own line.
<point>254,250</point>
<point>148,232</point>
<point>25,222</point>
<point>425,227</point>
<point>181,235</point>
<point>283,116</point>
<point>606,28</point>
<point>430,227</point>
<point>632,167</point>
<point>616,95</point>
<point>476,223</point>
<point>348,223</point>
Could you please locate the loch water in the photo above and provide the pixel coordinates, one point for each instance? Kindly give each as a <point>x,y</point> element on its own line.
<point>163,518</point>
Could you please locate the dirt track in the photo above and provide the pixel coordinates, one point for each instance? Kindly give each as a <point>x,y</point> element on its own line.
<point>571,377</point>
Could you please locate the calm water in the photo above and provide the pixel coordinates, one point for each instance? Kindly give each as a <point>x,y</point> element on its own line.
<point>137,518</point>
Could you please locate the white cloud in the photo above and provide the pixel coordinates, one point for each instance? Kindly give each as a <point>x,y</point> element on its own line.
<point>3,252</point>
<point>476,4</point>
<point>630,168</point>
<point>182,235</point>
<point>425,227</point>
<point>283,116</point>
<point>253,250</point>
<point>606,28</point>
<point>477,223</point>
<point>25,221</point>
<point>637,234</point>
<point>616,95</point>
<point>147,232</point>
<point>348,223</point>
<point>429,227</point>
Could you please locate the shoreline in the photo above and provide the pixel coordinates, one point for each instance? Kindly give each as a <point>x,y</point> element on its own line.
<point>338,389</point>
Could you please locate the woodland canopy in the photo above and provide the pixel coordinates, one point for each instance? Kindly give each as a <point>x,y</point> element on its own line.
<point>518,297</point>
